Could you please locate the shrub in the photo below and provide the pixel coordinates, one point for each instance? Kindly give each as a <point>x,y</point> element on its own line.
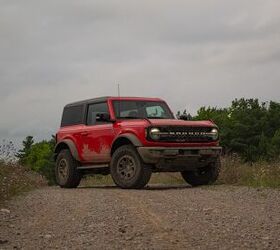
<point>15,179</point>
<point>38,157</point>
<point>259,174</point>
<point>247,127</point>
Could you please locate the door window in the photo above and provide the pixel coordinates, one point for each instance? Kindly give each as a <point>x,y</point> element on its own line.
<point>93,110</point>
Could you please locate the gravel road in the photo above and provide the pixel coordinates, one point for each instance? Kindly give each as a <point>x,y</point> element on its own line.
<point>158,217</point>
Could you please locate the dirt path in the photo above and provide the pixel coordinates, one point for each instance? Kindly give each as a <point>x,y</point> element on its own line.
<point>160,217</point>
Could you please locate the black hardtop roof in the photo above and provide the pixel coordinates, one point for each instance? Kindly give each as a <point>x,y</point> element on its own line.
<point>104,99</point>
<point>98,99</point>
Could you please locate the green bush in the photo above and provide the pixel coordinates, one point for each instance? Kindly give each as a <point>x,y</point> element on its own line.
<point>39,157</point>
<point>248,128</point>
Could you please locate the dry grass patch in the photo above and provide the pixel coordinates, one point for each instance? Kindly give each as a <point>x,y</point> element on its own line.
<point>233,172</point>
<point>15,179</point>
<point>157,178</point>
<point>259,174</point>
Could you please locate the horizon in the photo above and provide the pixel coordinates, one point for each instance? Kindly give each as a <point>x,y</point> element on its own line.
<point>188,53</point>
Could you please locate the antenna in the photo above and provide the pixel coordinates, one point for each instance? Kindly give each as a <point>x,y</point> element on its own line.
<point>119,101</point>
<point>119,92</point>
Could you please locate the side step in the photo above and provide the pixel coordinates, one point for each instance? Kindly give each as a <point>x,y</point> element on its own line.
<point>93,166</point>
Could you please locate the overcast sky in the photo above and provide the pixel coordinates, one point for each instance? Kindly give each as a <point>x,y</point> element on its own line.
<point>191,53</point>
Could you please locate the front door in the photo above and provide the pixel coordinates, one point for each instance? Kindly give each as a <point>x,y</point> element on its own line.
<point>98,136</point>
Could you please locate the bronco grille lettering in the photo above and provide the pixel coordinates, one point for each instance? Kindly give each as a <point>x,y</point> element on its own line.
<point>185,134</point>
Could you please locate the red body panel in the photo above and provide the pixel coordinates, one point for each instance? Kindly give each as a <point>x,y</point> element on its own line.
<point>94,143</point>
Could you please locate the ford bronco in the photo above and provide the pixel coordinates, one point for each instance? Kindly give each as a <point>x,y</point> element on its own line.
<point>130,138</point>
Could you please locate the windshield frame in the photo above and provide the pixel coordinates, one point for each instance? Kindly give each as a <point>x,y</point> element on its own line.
<point>161,103</point>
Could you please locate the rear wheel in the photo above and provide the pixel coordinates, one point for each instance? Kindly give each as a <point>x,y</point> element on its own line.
<point>127,168</point>
<point>203,176</point>
<point>67,175</point>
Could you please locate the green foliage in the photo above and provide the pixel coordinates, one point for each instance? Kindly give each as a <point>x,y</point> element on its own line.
<point>25,151</point>
<point>39,157</point>
<point>249,128</point>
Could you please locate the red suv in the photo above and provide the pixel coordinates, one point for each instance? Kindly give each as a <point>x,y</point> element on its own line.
<point>130,138</point>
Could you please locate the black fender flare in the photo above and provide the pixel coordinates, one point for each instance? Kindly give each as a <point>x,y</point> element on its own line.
<point>133,138</point>
<point>67,143</point>
<point>130,137</point>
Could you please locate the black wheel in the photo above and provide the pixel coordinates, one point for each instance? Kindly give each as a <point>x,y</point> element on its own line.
<point>67,175</point>
<point>127,168</point>
<point>203,176</point>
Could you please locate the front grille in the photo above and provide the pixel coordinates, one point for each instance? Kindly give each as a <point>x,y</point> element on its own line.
<point>185,134</point>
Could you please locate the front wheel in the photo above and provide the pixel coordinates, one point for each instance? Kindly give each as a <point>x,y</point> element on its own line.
<point>127,168</point>
<point>203,176</point>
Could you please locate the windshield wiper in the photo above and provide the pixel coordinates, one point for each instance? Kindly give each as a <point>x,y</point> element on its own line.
<point>154,117</point>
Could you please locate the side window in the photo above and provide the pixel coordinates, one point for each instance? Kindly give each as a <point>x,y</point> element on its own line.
<point>72,115</point>
<point>93,110</point>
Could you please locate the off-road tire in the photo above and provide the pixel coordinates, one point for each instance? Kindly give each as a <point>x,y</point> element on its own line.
<point>72,175</point>
<point>141,175</point>
<point>203,176</point>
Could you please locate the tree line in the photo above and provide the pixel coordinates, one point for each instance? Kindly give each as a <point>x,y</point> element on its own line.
<point>248,128</point>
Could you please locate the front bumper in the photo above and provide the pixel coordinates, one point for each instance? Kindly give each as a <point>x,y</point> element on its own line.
<point>190,157</point>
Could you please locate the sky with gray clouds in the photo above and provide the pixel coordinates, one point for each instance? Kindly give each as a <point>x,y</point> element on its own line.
<point>189,52</point>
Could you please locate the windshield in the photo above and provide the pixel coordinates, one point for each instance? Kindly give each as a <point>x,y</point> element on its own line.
<point>141,109</point>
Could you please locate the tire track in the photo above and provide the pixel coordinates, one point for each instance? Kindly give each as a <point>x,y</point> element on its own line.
<point>165,232</point>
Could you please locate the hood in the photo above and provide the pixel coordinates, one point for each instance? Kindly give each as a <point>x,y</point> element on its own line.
<point>166,122</point>
<point>174,122</point>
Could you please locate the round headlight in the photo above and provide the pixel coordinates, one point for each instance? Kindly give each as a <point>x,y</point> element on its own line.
<point>155,133</point>
<point>215,134</point>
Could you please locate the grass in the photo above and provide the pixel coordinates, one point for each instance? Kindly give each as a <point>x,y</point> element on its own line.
<point>97,180</point>
<point>15,179</point>
<point>233,172</point>
<point>157,178</point>
<point>259,174</point>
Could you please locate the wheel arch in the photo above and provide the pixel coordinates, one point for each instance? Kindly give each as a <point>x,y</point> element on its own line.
<point>66,144</point>
<point>125,139</point>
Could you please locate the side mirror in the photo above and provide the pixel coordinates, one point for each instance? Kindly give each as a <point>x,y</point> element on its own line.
<point>185,117</point>
<point>103,117</point>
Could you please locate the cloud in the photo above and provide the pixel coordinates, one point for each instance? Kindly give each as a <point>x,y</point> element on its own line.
<point>191,53</point>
